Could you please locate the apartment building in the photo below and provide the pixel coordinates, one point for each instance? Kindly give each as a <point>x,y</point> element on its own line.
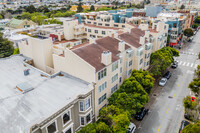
<point>188,19</point>
<point>176,22</point>
<point>33,101</point>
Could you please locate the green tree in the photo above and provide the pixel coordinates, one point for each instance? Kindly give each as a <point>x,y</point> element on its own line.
<point>26,15</point>
<point>92,8</point>
<point>144,78</point>
<point>79,8</point>
<point>1,17</point>
<point>161,59</point>
<point>16,51</point>
<point>188,103</point>
<point>188,32</point>
<point>192,128</point>
<point>30,9</point>
<point>197,71</point>
<point>117,119</point>
<point>6,47</point>
<point>195,86</point>
<point>197,20</point>
<point>195,26</point>
<point>182,6</point>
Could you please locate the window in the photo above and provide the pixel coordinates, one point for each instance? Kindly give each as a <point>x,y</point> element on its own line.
<point>101,74</point>
<point>87,103</point>
<point>100,24</point>
<point>103,32</point>
<point>88,118</point>
<point>96,31</point>
<point>114,88</point>
<point>81,106</point>
<point>114,66</point>
<point>114,78</point>
<point>129,72</point>
<point>121,70</point>
<point>121,60</point>
<point>123,26</point>
<point>52,128</point>
<point>66,117</point>
<point>107,25</point>
<point>89,30</point>
<point>115,25</point>
<point>102,98</point>
<point>95,22</point>
<point>120,79</point>
<point>69,130</point>
<point>130,63</point>
<point>141,61</point>
<point>102,87</point>
<point>85,29</point>
<point>82,121</point>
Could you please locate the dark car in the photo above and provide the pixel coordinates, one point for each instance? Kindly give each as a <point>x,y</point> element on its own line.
<point>183,124</point>
<point>174,64</point>
<point>140,115</point>
<point>167,75</point>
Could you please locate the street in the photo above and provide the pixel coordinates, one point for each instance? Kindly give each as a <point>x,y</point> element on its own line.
<point>167,111</point>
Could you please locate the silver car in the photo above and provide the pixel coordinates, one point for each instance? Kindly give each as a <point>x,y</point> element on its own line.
<point>163,81</point>
<point>131,128</point>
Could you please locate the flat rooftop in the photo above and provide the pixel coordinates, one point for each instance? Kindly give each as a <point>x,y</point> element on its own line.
<point>19,111</point>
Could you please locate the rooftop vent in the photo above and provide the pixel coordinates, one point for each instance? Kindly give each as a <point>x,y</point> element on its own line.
<point>24,87</point>
<point>26,72</point>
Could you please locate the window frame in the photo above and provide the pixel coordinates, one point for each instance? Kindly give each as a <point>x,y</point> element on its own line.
<point>70,115</point>
<point>50,124</point>
<point>84,104</point>
<point>68,127</point>
<point>84,118</point>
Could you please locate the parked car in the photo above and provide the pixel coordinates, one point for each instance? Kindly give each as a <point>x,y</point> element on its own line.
<point>167,75</point>
<point>131,128</point>
<point>190,39</point>
<point>183,124</point>
<point>163,81</point>
<point>174,64</point>
<point>140,115</point>
<point>195,33</point>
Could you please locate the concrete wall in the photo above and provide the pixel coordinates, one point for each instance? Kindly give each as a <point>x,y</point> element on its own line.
<point>74,65</point>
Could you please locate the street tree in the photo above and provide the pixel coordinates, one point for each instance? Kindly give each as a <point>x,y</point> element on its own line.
<point>188,103</point>
<point>79,8</point>
<point>144,78</point>
<point>195,26</point>
<point>92,8</point>
<point>197,20</point>
<point>117,119</point>
<point>182,6</point>
<point>161,59</point>
<point>197,71</point>
<point>188,32</point>
<point>30,9</point>
<point>192,128</point>
<point>6,47</point>
<point>195,86</point>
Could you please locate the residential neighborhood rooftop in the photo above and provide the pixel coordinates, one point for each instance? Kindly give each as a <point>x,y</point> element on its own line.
<point>22,96</point>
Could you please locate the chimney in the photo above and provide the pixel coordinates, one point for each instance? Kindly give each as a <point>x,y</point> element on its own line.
<point>106,57</point>
<point>92,40</point>
<point>116,34</point>
<point>121,46</point>
<point>142,40</point>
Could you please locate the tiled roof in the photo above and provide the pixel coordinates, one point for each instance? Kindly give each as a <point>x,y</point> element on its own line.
<point>92,53</point>
<point>133,38</point>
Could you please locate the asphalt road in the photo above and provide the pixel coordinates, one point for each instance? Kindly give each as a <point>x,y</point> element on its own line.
<point>167,113</point>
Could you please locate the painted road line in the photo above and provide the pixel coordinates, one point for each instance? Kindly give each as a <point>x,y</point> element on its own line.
<point>180,63</point>
<point>178,84</point>
<point>191,65</point>
<point>158,129</point>
<point>174,96</point>
<point>167,110</point>
<point>188,64</point>
<point>183,75</point>
<point>184,63</point>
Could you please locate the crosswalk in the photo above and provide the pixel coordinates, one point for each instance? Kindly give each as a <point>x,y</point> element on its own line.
<point>189,53</point>
<point>187,64</point>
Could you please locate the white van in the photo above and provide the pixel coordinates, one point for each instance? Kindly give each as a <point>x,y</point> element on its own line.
<point>131,128</point>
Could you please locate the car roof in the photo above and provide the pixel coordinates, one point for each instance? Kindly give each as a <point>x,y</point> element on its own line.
<point>131,125</point>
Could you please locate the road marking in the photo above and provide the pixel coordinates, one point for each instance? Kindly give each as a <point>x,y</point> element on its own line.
<point>180,63</point>
<point>188,64</point>
<point>158,129</point>
<point>183,75</point>
<point>184,63</point>
<point>167,110</point>
<point>174,96</point>
<point>191,65</point>
<point>178,84</point>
